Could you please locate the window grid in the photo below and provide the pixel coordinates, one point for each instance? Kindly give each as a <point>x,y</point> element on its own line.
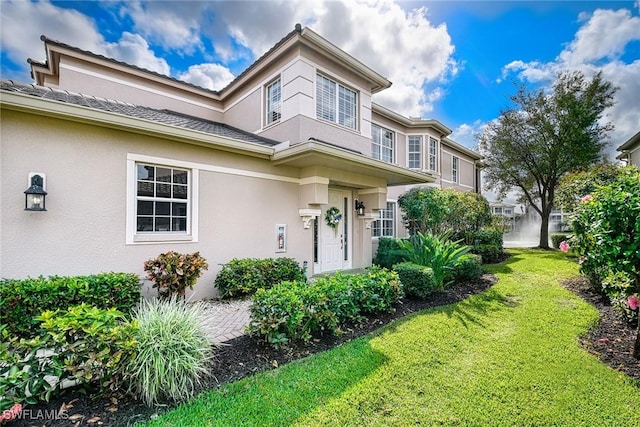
<point>385,226</point>
<point>454,169</point>
<point>381,144</point>
<point>336,103</point>
<point>162,199</point>
<point>415,152</point>
<point>274,102</point>
<point>433,164</point>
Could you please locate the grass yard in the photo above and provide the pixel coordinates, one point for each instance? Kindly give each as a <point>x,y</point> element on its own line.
<point>508,356</point>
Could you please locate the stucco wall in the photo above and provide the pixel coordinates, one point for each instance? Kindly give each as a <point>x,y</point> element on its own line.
<point>83,230</point>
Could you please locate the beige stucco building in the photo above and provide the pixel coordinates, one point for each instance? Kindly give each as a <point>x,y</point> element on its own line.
<point>135,163</point>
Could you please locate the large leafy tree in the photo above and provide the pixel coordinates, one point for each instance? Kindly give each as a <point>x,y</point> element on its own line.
<point>544,135</point>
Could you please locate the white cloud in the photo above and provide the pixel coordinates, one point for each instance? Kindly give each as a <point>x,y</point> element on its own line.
<point>598,46</point>
<point>465,134</point>
<point>210,76</point>
<point>133,49</point>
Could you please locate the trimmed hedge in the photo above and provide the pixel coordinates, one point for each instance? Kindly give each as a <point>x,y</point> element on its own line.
<point>298,311</point>
<point>240,277</point>
<point>488,243</point>
<point>417,281</point>
<point>23,299</point>
<point>388,253</point>
<point>468,268</point>
<point>557,238</point>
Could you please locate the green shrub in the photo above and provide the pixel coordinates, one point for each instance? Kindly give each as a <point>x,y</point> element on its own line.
<point>22,300</point>
<point>172,272</point>
<point>436,252</point>
<point>557,238</point>
<point>297,311</point>
<point>173,353</point>
<point>618,286</point>
<point>488,243</point>
<point>469,267</point>
<point>388,253</point>
<point>417,280</point>
<point>240,277</point>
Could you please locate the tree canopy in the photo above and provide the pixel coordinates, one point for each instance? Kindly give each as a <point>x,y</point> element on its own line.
<point>545,135</point>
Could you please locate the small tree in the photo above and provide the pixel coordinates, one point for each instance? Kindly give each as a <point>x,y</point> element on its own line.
<point>545,135</point>
<point>607,230</point>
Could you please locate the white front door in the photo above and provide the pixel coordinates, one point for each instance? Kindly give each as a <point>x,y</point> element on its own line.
<point>336,243</point>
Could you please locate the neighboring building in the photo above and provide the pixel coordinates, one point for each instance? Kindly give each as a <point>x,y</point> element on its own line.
<point>559,221</point>
<point>136,163</point>
<point>506,212</point>
<point>630,151</point>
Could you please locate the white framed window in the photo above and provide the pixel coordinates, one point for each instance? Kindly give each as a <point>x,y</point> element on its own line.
<point>161,200</point>
<point>385,226</point>
<point>336,103</point>
<point>454,168</point>
<point>433,154</point>
<point>274,102</point>
<point>415,152</point>
<point>382,143</point>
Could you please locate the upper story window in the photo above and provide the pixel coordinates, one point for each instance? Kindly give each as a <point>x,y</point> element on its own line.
<point>385,226</point>
<point>415,152</point>
<point>433,154</point>
<point>454,168</point>
<point>274,102</point>
<point>335,102</point>
<point>162,199</point>
<point>497,211</point>
<point>382,145</point>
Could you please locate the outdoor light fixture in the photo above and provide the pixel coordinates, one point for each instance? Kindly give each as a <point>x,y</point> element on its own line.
<point>35,194</point>
<point>359,208</point>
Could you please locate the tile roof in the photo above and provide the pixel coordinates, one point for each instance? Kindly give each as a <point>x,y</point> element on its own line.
<point>164,116</point>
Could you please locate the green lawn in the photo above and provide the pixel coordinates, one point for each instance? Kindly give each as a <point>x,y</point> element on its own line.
<point>508,356</point>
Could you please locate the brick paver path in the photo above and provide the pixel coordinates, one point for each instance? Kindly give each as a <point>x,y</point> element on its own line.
<point>226,320</point>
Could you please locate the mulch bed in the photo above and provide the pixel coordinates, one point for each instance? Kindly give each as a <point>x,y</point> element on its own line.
<point>611,341</point>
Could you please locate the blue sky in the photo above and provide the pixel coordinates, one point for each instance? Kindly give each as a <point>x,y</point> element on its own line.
<point>454,61</point>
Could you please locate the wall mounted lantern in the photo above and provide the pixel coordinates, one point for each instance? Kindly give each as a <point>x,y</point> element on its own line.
<point>35,194</point>
<point>359,208</point>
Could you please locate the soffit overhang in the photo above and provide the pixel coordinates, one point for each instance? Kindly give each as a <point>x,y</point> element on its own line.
<point>633,142</point>
<point>316,154</point>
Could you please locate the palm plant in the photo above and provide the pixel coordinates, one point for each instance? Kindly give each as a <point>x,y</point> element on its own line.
<point>435,251</point>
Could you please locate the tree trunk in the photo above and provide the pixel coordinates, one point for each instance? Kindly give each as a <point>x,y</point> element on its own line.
<point>636,346</point>
<point>544,229</point>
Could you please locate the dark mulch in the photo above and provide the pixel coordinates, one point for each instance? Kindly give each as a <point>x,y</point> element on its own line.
<point>612,339</point>
<point>239,358</point>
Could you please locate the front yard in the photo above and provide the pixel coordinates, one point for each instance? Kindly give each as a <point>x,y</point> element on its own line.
<point>508,356</point>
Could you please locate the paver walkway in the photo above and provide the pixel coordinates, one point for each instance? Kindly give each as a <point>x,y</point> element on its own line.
<point>226,320</point>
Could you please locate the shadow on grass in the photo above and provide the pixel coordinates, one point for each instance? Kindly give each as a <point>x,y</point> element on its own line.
<point>282,396</point>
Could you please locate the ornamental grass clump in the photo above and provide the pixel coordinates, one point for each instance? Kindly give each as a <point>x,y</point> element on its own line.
<point>173,351</point>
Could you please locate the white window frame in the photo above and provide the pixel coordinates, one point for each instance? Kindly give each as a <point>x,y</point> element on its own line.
<point>331,104</point>
<point>414,153</point>
<point>380,144</point>
<point>455,169</point>
<point>155,237</point>
<point>387,215</point>
<point>273,95</point>
<point>433,154</point>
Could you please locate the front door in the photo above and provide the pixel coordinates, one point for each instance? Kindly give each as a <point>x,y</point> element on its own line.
<point>336,242</point>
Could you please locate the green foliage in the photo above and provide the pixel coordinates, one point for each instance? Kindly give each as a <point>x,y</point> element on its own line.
<point>577,184</point>
<point>388,253</point>
<point>436,252</point>
<point>607,231</point>
<point>544,136</point>
<point>488,243</point>
<point>245,276</point>
<point>468,267</point>
<point>84,344</point>
<point>432,210</point>
<point>619,286</point>
<point>172,273</point>
<point>22,300</point>
<point>557,238</point>
<point>298,311</point>
<point>417,280</point>
<point>173,352</point>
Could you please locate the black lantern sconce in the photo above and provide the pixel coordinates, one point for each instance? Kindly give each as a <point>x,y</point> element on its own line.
<point>35,194</point>
<point>359,208</point>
